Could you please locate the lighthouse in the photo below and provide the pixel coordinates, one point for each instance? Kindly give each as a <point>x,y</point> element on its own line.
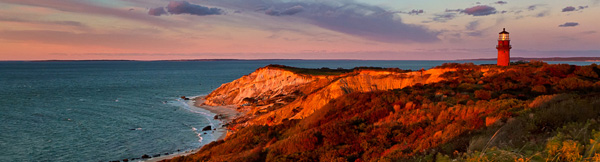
<point>503,48</point>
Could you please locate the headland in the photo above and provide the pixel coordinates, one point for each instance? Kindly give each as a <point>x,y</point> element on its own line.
<point>453,112</point>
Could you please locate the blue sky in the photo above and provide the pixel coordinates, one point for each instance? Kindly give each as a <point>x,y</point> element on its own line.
<point>294,29</point>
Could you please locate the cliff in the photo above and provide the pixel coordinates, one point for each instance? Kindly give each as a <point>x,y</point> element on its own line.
<point>276,93</point>
<point>462,112</point>
<point>263,84</point>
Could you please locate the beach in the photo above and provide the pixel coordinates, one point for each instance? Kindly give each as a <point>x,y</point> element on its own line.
<point>225,114</point>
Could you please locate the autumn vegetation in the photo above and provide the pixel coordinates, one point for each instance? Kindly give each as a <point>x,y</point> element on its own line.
<point>525,112</point>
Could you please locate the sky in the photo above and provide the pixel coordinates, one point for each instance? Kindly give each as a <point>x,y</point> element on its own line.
<point>295,29</point>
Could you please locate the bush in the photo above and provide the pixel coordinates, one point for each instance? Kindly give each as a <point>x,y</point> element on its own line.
<point>483,94</point>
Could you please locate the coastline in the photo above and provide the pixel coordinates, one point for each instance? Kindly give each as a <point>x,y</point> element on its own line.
<point>226,114</point>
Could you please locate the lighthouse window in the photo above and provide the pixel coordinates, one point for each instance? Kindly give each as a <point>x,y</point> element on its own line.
<point>503,37</point>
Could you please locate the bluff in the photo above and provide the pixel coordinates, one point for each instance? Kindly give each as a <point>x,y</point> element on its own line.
<point>454,112</point>
<point>275,93</point>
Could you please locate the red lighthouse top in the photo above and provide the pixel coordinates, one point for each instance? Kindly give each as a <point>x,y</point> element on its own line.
<point>503,35</point>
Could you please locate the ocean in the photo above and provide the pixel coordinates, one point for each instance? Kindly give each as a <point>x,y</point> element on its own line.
<point>114,110</point>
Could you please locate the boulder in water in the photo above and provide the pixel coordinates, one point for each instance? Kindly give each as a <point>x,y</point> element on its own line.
<point>145,156</point>
<point>207,128</point>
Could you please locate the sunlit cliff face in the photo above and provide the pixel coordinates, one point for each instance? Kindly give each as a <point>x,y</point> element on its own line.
<point>310,92</point>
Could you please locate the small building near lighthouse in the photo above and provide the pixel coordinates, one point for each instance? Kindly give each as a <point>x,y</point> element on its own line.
<point>503,48</point>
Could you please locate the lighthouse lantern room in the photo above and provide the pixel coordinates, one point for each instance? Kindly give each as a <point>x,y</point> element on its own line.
<point>503,48</point>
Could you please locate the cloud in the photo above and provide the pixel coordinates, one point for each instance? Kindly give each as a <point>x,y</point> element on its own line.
<point>481,10</point>
<point>293,10</point>
<point>415,12</point>
<point>359,20</point>
<point>184,7</point>
<point>568,9</point>
<point>543,14</point>
<point>532,7</point>
<point>444,17</point>
<point>571,8</point>
<point>456,10</point>
<point>89,8</point>
<point>501,2</point>
<point>62,23</point>
<point>344,16</point>
<point>473,25</point>
<point>121,40</point>
<point>289,11</point>
<point>157,11</point>
<point>569,24</point>
<point>272,12</point>
<point>412,12</point>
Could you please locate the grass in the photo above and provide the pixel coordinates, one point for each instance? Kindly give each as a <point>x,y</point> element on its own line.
<point>328,71</point>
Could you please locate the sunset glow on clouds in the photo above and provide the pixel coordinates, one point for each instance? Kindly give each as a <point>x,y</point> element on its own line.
<point>301,29</point>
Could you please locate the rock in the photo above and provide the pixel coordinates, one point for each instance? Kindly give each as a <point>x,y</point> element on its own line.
<point>125,160</point>
<point>145,156</point>
<point>185,98</point>
<point>156,155</point>
<point>207,128</point>
<point>167,153</point>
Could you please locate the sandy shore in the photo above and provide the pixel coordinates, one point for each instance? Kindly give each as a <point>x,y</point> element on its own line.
<point>226,113</point>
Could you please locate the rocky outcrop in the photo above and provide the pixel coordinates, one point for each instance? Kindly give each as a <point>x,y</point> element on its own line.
<point>262,84</point>
<point>313,91</point>
<point>207,128</point>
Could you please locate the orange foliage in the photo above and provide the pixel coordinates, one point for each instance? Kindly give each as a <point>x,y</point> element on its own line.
<point>401,123</point>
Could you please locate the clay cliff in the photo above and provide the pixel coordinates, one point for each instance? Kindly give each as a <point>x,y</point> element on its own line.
<point>275,93</point>
<point>462,112</point>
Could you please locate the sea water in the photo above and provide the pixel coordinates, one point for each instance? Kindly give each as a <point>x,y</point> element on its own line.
<point>114,110</point>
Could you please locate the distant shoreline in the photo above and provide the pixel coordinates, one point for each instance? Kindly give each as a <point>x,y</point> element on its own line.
<point>583,59</point>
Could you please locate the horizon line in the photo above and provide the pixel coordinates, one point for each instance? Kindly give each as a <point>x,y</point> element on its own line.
<point>473,59</point>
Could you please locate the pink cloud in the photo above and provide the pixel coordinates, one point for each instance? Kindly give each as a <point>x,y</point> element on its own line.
<point>84,7</point>
<point>481,10</point>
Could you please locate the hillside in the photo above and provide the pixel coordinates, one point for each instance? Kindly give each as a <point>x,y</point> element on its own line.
<point>276,93</point>
<point>526,112</point>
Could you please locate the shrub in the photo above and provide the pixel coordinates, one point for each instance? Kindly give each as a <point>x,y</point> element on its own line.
<point>483,94</point>
<point>539,89</point>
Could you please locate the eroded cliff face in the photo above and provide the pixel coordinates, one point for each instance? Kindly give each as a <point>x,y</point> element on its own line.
<point>268,86</point>
<point>359,81</point>
<point>262,84</point>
